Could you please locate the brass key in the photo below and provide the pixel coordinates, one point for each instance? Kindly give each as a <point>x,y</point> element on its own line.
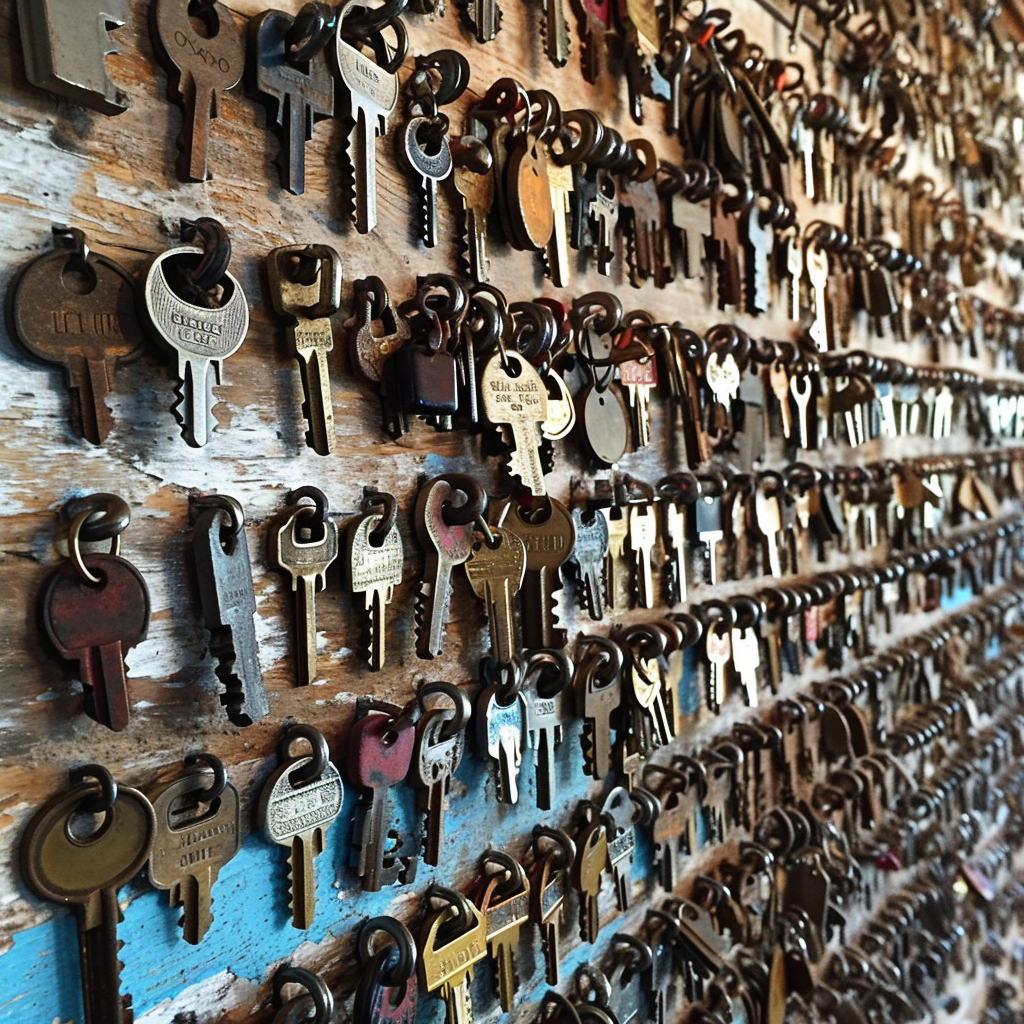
<point>454,938</point>
<point>504,901</point>
<point>587,870</point>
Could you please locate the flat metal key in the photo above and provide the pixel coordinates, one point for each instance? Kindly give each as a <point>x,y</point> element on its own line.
<point>296,93</point>
<point>426,153</point>
<point>229,606</point>
<point>447,961</point>
<point>305,547</point>
<point>76,309</point>
<point>501,721</point>
<point>199,338</point>
<point>197,833</point>
<point>590,553</point>
<point>298,804</point>
<point>369,95</point>
<point>66,43</point>
<point>496,576</point>
<point>547,689</point>
<point>305,289</point>
<point>504,900</point>
<point>587,871</point>
<point>86,871</point>
<point>200,66</point>
<point>548,889</point>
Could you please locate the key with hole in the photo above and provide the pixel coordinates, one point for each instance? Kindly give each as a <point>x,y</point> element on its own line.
<point>424,150</point>
<point>202,64</point>
<point>194,839</point>
<point>369,94</point>
<point>802,390</point>
<point>65,43</point>
<point>379,757</point>
<point>446,546</point>
<point>96,624</point>
<point>590,552</point>
<point>305,289</point>
<point>75,309</point>
<point>296,813</point>
<point>546,691</point>
<point>373,568</point>
<point>229,605</point>
<point>643,533</point>
<point>296,94</point>
<point>617,518</point>
<point>548,889</point>
<point>504,901</point>
<point>304,547</point>
<point>85,868</point>
<point>587,871</point>
<point>198,338</point>
<point>501,725</point>
<point>708,521</point>
<point>496,576</point>
<point>447,960</point>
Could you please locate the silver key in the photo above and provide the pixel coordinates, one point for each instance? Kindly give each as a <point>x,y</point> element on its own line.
<point>426,153</point>
<point>590,552</point>
<point>643,532</point>
<point>501,724</point>
<point>373,569</point>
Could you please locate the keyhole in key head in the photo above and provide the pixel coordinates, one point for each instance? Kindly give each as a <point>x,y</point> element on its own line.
<point>203,16</point>
<point>78,279</point>
<point>84,826</point>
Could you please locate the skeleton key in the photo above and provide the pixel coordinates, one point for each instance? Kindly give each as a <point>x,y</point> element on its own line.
<point>504,901</point>
<point>296,93</point>
<point>298,804</point>
<point>87,872</point>
<point>501,721</point>
<point>373,568</point>
<point>198,338</point>
<point>447,546</point>
<point>496,576</point>
<point>370,93</point>
<point>305,289</point>
<point>548,890</point>
<point>200,66</point>
<point>617,814</point>
<point>548,532</point>
<point>446,966</point>
<point>643,533</point>
<point>590,553</point>
<point>229,605</point>
<point>424,150</point>
<point>587,869</point>
<point>197,833</point>
<point>88,332</point>
<point>65,43</point>
<point>546,710</point>
<point>379,756</point>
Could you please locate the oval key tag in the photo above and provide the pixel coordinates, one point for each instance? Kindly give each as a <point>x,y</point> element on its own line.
<point>604,424</point>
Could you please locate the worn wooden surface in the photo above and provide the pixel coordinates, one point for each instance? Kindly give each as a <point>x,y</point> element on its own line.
<point>113,177</point>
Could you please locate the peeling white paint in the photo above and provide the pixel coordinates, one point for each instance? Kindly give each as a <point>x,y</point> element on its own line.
<point>208,999</point>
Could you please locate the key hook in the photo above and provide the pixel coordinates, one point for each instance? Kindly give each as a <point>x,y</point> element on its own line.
<point>97,803</point>
<point>554,1005</point>
<point>65,237</point>
<point>309,33</point>
<point>562,854</point>
<point>458,905</point>
<point>216,244</point>
<point>506,677</point>
<point>551,667</point>
<point>321,755</point>
<point>361,22</point>
<point>607,655</point>
<point>323,1000</point>
<point>463,708</point>
<point>75,550</point>
<point>402,940</point>
<point>641,957</point>
<point>376,499</point>
<point>221,503</point>
<point>515,880</point>
<point>220,775</point>
<point>109,516</point>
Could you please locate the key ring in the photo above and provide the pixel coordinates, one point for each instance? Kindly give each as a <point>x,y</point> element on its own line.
<point>321,755</point>
<point>402,940</point>
<point>221,503</point>
<point>216,245</point>
<point>323,999</point>
<point>374,499</point>
<point>463,708</point>
<point>564,852</point>
<point>553,668</point>
<point>75,551</point>
<point>457,904</point>
<point>309,32</point>
<point>220,775</point>
<point>97,803</point>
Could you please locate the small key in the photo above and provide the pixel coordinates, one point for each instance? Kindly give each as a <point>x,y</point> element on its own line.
<point>496,576</point>
<point>817,265</point>
<point>474,184</point>
<point>447,967</point>
<point>87,873</point>
<point>305,547</point>
<point>501,724</point>
<point>587,871</point>
<point>746,658</point>
<point>718,647</point>
<point>197,833</point>
<point>598,696</point>
<point>369,95</point>
<point>778,378</point>
<point>595,26</point>
<point>424,150</point>
<point>504,901</point>
<point>446,547</point>
<point>617,518</point>
<point>643,532</point>
<point>547,679</point>
<point>548,889</point>
<point>199,338</point>
<point>297,806</point>
<point>379,757</point>
<point>296,94</point>
<point>229,606</point>
<point>305,289</point>
<point>373,568</point>
<point>200,68</point>
<point>617,814</point>
<point>768,517</point>
<point>803,392</point>
<point>676,546</point>
<point>482,18</point>
<point>560,185</point>
<point>556,32</point>
<point>590,553</point>
<point>76,309</point>
<point>65,43</point>
<point>708,521</point>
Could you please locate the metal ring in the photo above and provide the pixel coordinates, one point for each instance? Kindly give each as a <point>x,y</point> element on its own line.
<point>475,504</point>
<point>321,755</point>
<point>491,539</point>
<point>75,551</point>
<point>371,19</point>
<point>323,999</point>
<point>610,654</point>
<point>643,959</point>
<point>223,503</point>
<point>216,251</point>
<point>102,801</point>
<point>380,532</point>
<point>220,775</point>
<point>505,677</point>
<point>402,939</point>
<point>463,708</point>
<point>319,499</point>
<point>565,849</point>
<point>540,662</point>
<point>109,515</point>
<point>562,1005</point>
<point>457,903</point>
<point>309,32</point>
<point>516,880</point>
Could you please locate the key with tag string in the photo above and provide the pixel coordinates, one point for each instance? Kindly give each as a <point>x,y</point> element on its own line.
<point>495,568</point>
<point>440,735</point>
<point>504,900</point>
<point>229,605</point>
<point>388,989</point>
<point>202,64</point>
<point>305,289</point>
<point>185,317</point>
<point>379,754</point>
<point>68,858</point>
<point>453,940</point>
<point>96,608</point>
<point>547,689</point>
<point>554,854</point>
<point>304,547</point>
<point>373,562</point>
<point>197,833</point>
<point>590,553</point>
<point>598,683</point>
<point>298,804</point>
<point>588,868</point>
<point>370,92</point>
<point>76,309</point>
<point>501,723</point>
<point>287,72</point>
<point>643,532</point>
